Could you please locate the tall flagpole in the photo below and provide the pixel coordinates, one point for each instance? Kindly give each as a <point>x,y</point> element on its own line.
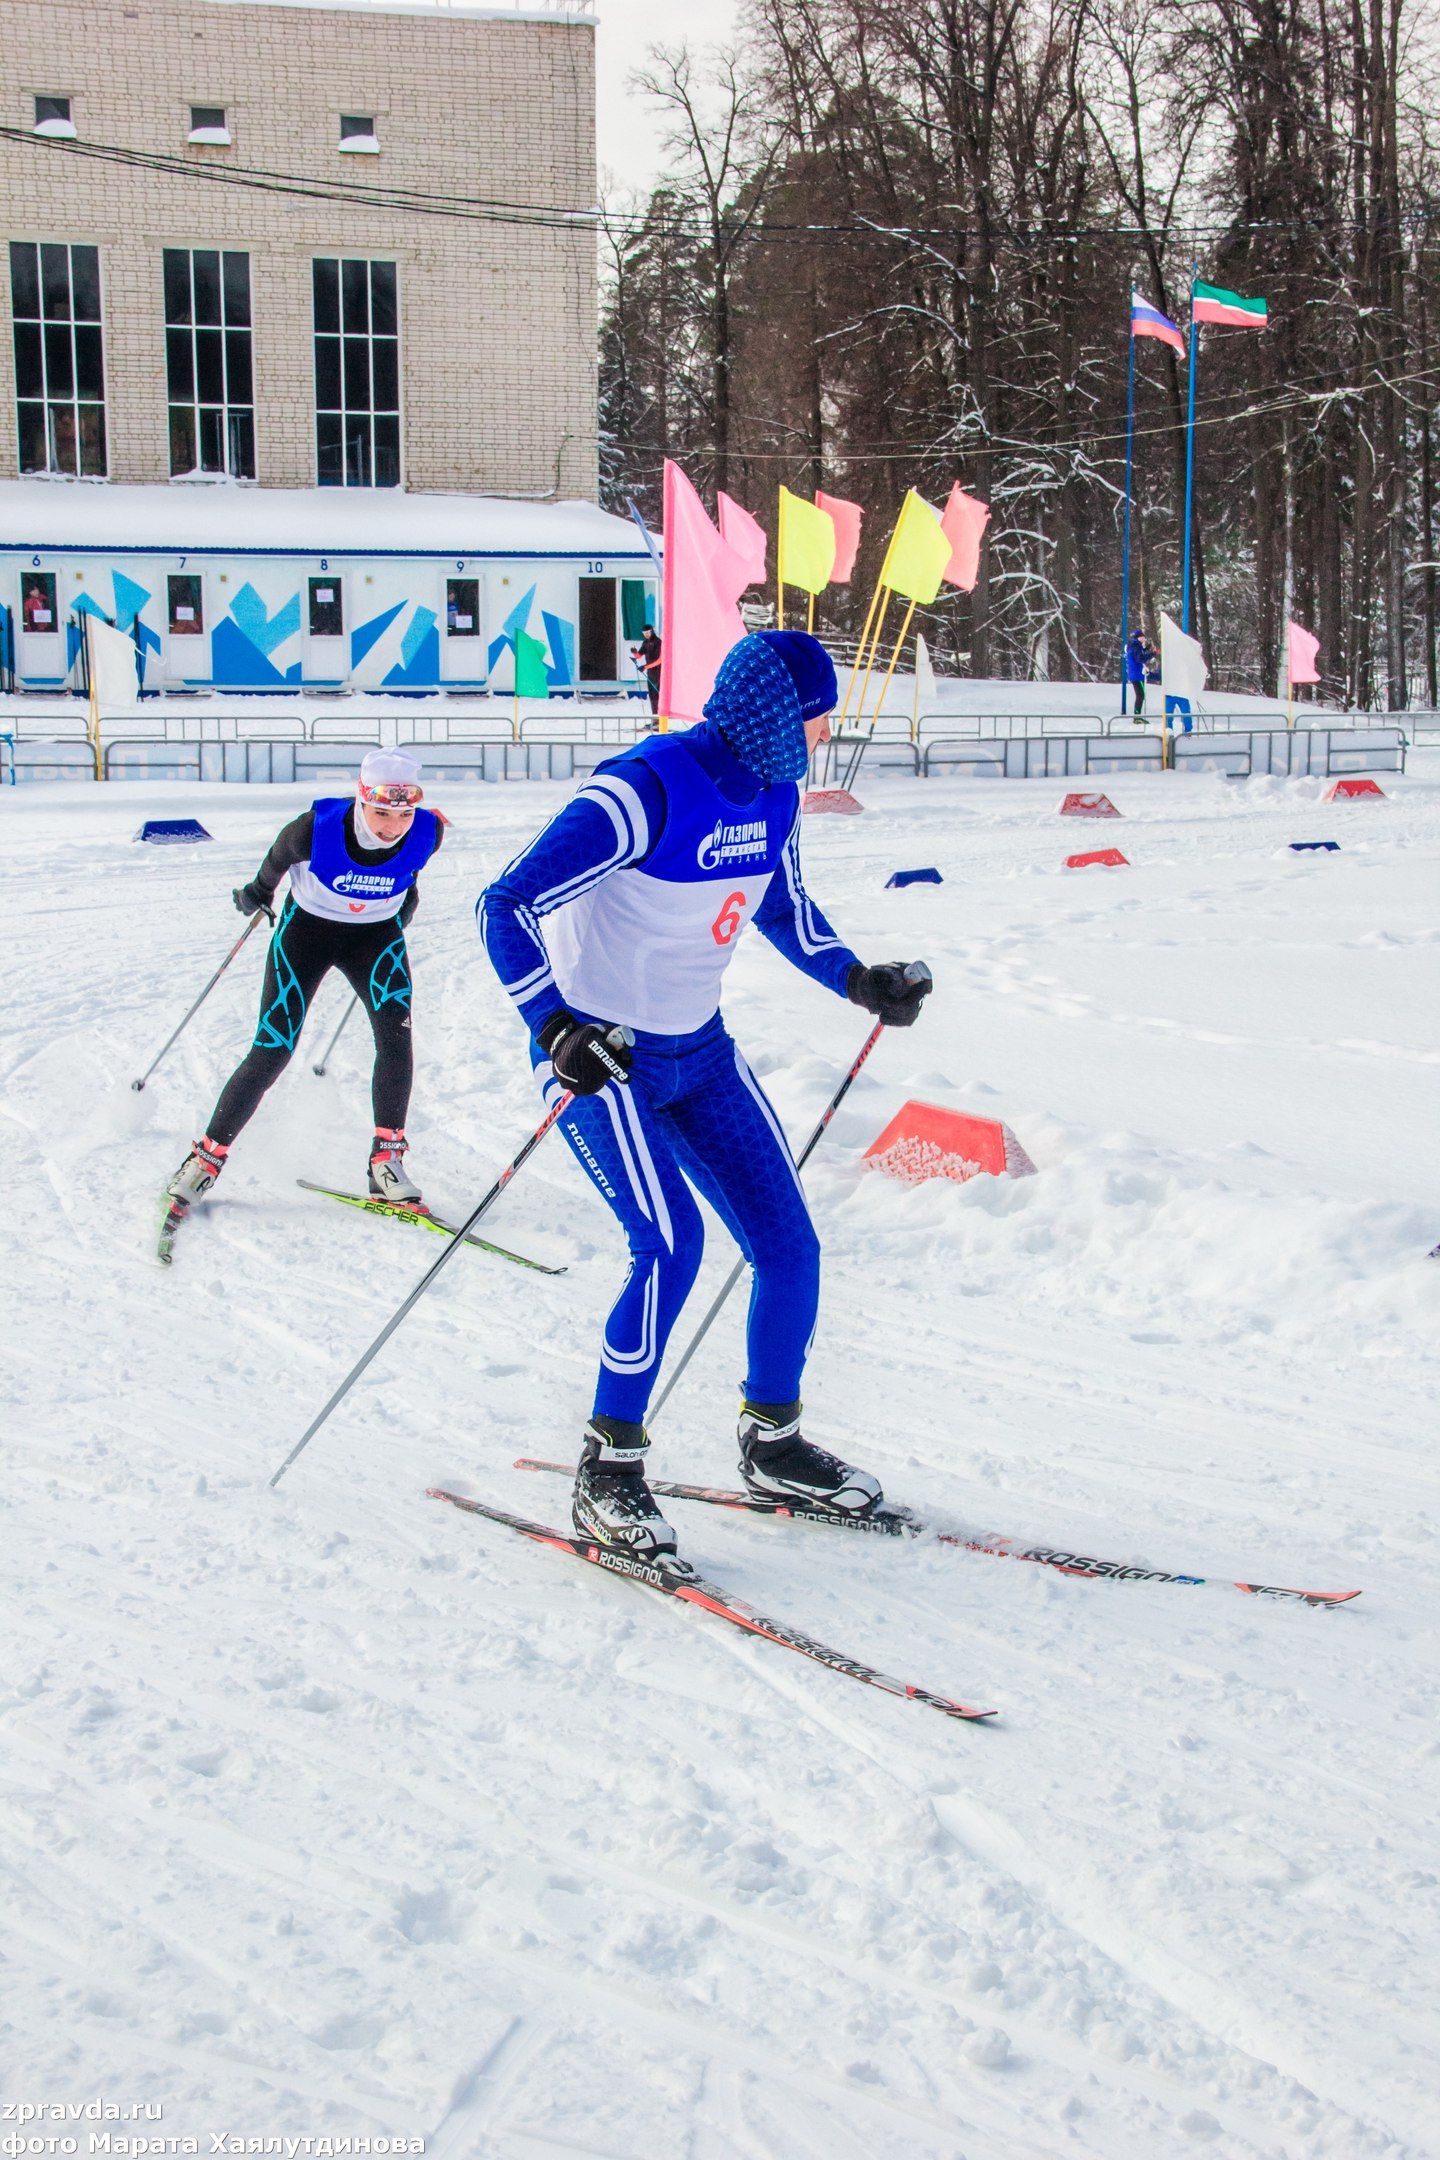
<point>1189,456</point>
<point>1129,471</point>
<point>779,563</point>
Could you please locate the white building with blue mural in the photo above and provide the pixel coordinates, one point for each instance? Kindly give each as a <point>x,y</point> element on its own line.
<point>282,590</point>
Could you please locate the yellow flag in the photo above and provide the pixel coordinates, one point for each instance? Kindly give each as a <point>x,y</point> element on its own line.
<point>807,543</point>
<point>919,553</point>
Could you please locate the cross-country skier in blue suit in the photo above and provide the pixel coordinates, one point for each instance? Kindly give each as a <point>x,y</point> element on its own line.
<point>625,912</point>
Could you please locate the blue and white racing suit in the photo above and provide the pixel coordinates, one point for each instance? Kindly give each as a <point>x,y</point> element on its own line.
<point>627,908</point>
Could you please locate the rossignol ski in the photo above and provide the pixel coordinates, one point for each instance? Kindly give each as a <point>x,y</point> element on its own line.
<point>678,1579</point>
<point>890,1521</point>
<point>426,1220</point>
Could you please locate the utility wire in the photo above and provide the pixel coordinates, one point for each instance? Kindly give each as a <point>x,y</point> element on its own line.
<point>647,224</point>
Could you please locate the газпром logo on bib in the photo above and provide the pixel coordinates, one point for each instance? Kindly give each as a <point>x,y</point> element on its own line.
<point>729,843</point>
<point>370,884</point>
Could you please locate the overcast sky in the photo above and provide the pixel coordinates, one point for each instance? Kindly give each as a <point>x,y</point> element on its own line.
<point>629,127</point>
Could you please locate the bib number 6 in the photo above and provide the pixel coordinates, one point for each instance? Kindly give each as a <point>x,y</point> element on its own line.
<point>730,919</point>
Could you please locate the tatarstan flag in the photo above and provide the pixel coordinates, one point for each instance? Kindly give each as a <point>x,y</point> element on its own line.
<point>1212,304</point>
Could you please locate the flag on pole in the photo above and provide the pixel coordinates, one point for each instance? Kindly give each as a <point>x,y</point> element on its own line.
<point>743,533</point>
<point>704,578</point>
<point>531,676</point>
<point>114,676</point>
<point>1183,673</point>
<point>1147,321</point>
<point>845,517</point>
<point>1302,649</point>
<point>1213,304</point>
<point>806,546</point>
<point>919,552</point>
<point>963,524</point>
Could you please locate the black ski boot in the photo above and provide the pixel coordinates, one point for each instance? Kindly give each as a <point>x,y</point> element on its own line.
<point>612,1502</point>
<point>777,1463</point>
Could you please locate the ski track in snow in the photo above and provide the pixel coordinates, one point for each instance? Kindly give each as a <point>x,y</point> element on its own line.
<point>333,1811</point>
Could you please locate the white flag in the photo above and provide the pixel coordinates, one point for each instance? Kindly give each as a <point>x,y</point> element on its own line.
<point>114,676</point>
<point>1182,664</point>
<point>924,678</point>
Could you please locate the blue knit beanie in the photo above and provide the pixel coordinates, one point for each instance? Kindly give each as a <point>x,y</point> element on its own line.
<point>768,686</point>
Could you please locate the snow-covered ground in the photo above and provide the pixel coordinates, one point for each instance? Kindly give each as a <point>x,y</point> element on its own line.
<point>333,1812</point>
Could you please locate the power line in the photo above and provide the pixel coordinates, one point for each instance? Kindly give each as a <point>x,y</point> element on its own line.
<point>649,224</point>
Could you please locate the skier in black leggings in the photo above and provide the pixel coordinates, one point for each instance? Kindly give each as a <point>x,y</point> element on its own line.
<point>352,867</point>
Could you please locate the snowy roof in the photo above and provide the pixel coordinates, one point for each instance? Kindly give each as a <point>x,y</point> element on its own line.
<point>542,11</point>
<point>302,521</point>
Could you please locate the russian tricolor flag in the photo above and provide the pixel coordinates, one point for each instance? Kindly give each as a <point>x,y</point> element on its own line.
<point>1147,321</point>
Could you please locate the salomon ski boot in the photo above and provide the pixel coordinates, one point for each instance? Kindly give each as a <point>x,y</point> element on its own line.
<point>778,1464</point>
<point>612,1502</point>
<point>387,1170</point>
<point>198,1172</point>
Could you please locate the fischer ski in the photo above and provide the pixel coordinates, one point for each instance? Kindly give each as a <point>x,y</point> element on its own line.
<point>899,1522</point>
<point>426,1221</point>
<point>679,1580</point>
<point>175,1212</point>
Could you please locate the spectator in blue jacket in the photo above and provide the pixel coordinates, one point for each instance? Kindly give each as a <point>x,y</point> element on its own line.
<point>1139,659</point>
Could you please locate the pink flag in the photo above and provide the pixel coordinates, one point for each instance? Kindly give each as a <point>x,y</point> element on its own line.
<point>1303,648</point>
<point>745,535</point>
<point>846,518</point>
<point>704,577</point>
<point>963,524</point>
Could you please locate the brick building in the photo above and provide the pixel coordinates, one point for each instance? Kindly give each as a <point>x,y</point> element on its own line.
<point>332,245</point>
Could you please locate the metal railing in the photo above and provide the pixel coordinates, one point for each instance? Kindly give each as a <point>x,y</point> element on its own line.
<point>156,723</point>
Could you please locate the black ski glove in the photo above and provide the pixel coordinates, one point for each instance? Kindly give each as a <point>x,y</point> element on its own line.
<point>892,992</point>
<point>584,1054</point>
<point>251,901</point>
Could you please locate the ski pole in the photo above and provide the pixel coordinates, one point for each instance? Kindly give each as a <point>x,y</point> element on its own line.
<point>917,971</point>
<point>319,1070</point>
<point>137,1085</point>
<point>452,1247</point>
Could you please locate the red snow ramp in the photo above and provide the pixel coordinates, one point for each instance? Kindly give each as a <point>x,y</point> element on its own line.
<point>1110,857</point>
<point>1348,790</point>
<point>1088,806</point>
<point>923,1141</point>
<point>832,798</point>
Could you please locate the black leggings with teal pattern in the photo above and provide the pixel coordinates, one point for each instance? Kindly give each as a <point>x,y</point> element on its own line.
<point>373,960</point>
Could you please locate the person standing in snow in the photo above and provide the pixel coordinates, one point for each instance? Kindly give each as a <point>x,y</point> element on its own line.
<point>353,866</point>
<point>1139,659</point>
<point>647,656</point>
<point>643,884</point>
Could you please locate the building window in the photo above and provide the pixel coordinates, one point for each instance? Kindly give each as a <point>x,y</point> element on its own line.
<point>327,609</point>
<point>52,117</point>
<point>186,608</point>
<point>37,603</point>
<point>357,373</point>
<point>207,125</point>
<point>357,132</point>
<point>210,364</point>
<point>462,606</point>
<point>59,364</point>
